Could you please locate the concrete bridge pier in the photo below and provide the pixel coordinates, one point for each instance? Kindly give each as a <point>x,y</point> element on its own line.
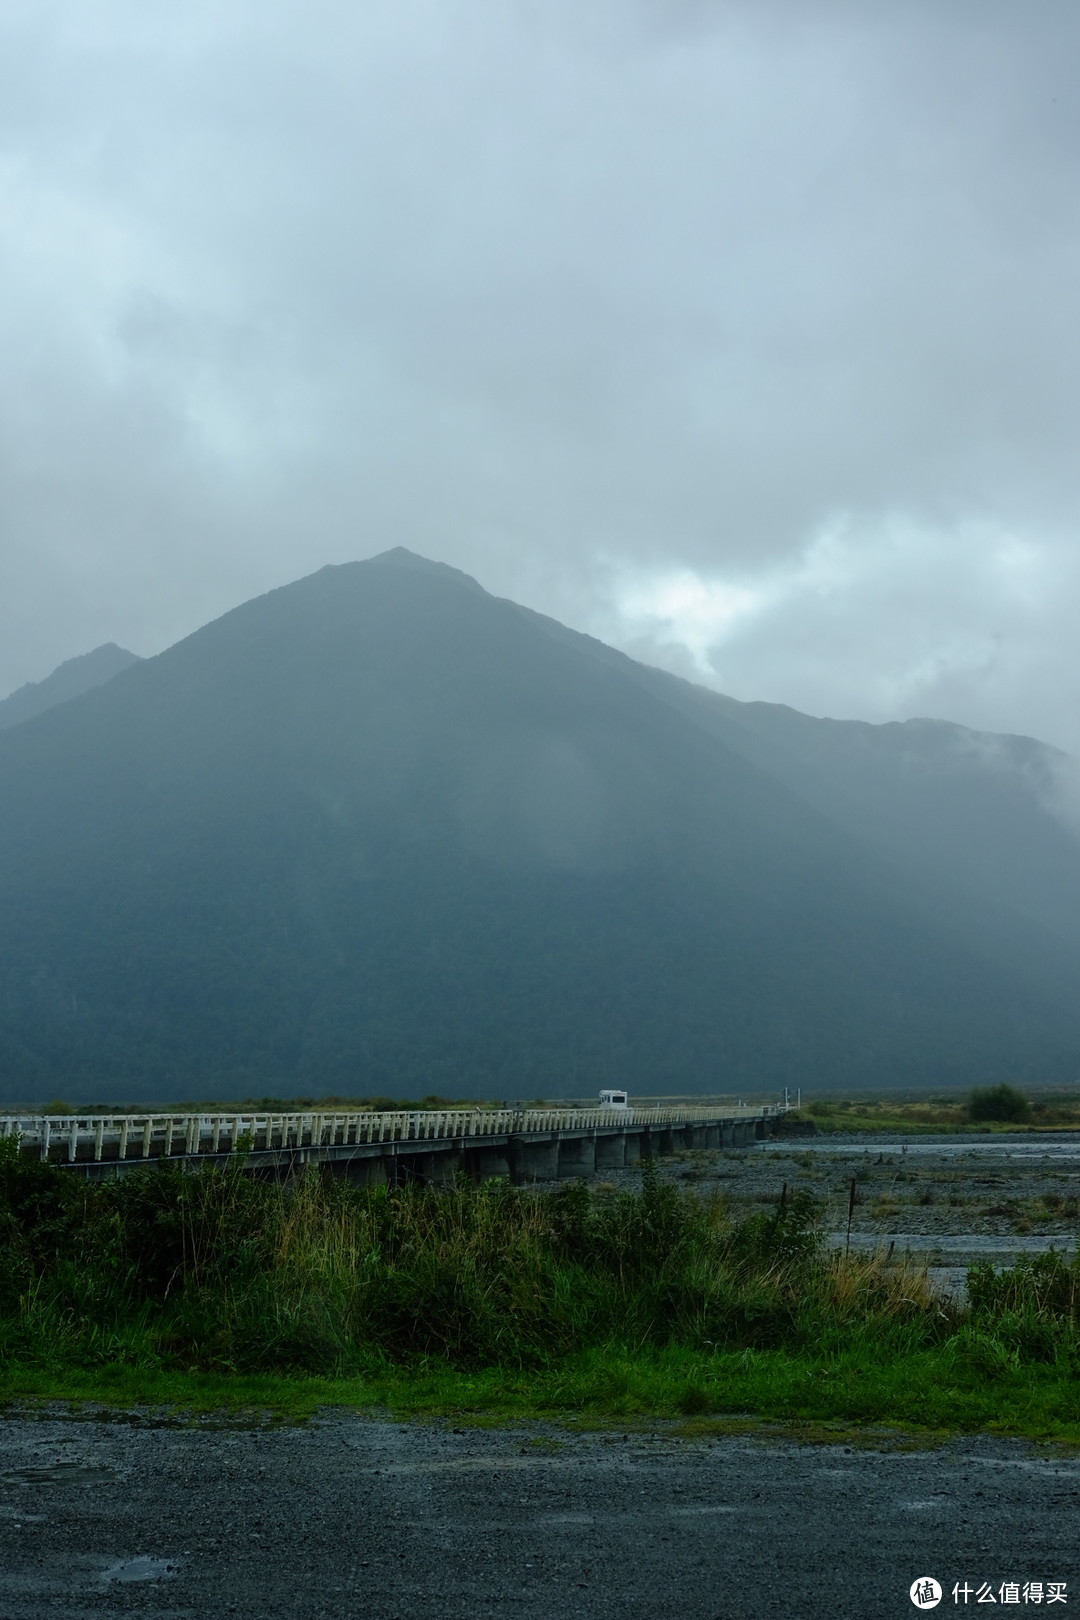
<point>437,1169</point>
<point>634,1147</point>
<point>610,1152</point>
<point>577,1156</point>
<point>534,1161</point>
<point>484,1163</point>
<point>365,1172</point>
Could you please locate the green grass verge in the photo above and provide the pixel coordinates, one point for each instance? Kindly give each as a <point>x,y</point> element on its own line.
<point>930,1393</point>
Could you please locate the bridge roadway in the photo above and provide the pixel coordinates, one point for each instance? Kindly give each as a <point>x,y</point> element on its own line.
<point>428,1145</point>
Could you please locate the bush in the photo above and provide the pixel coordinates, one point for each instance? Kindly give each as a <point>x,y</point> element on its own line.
<point>214,1270</point>
<point>1046,1285</point>
<point>999,1103</point>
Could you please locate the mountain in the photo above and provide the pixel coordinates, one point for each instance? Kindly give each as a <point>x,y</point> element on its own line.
<point>70,680</point>
<point>380,832</point>
<point>997,814</point>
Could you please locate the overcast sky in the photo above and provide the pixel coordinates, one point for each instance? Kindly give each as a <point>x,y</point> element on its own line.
<point>743,335</point>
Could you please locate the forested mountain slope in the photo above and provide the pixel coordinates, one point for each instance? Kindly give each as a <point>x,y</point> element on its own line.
<point>379,831</point>
<point>999,814</point>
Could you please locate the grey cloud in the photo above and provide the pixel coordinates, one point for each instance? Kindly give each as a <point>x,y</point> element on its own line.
<point>575,297</point>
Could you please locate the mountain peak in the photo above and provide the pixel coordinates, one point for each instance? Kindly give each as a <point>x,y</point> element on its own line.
<point>402,557</point>
<point>70,679</point>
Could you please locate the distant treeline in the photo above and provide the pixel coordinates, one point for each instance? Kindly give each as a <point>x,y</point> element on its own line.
<point>986,1105</point>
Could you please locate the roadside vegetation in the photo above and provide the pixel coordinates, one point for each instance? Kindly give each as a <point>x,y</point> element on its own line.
<point>213,1288</point>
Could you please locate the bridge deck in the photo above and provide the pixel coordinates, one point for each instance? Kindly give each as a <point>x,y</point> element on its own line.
<point>88,1139</point>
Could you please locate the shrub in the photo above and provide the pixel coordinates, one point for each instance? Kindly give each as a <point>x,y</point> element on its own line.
<point>999,1103</point>
<point>215,1270</point>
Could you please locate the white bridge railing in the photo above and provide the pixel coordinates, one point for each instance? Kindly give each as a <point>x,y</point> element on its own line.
<point>89,1137</point>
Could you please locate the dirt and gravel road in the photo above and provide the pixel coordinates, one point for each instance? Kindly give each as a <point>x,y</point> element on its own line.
<point>354,1516</point>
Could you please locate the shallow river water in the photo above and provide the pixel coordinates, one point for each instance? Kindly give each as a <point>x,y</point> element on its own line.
<point>1052,1150</point>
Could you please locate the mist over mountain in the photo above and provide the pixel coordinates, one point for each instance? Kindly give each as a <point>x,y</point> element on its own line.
<point>71,679</point>
<point>379,831</point>
<point>998,815</point>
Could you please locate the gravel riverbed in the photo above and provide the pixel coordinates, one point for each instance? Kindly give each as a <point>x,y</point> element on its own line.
<point>1014,1191</point>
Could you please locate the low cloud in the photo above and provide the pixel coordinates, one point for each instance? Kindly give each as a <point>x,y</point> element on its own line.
<point>877,624</point>
<point>743,334</point>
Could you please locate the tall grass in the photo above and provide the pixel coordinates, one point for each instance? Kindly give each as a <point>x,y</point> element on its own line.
<point>218,1273</point>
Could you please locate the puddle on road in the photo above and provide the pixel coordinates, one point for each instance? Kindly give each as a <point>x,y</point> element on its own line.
<point>500,1462</point>
<point>587,1521</point>
<point>60,1473</point>
<point>1034,1465</point>
<point>442,1465</point>
<point>244,1420</point>
<point>142,1569</point>
<point>694,1512</point>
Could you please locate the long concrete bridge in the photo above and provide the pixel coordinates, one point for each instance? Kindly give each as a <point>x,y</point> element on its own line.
<point>428,1145</point>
